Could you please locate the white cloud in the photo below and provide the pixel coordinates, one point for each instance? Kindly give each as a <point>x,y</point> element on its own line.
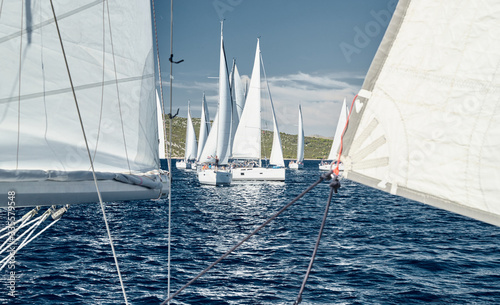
<point>321,97</point>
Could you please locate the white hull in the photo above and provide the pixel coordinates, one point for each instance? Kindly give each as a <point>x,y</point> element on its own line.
<point>296,165</point>
<point>258,174</point>
<point>214,177</point>
<point>183,165</point>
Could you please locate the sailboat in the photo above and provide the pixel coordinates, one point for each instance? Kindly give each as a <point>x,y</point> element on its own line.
<point>299,163</point>
<point>247,163</point>
<point>65,116</point>
<point>191,147</point>
<point>213,168</point>
<point>425,124</point>
<point>204,128</point>
<point>333,155</point>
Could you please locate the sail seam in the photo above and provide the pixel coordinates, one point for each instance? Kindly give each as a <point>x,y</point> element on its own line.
<point>77,88</point>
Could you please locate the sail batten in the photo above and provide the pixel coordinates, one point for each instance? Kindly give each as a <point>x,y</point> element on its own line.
<point>428,109</point>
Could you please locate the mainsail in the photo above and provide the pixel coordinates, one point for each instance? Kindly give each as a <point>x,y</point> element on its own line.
<point>247,140</point>
<point>217,145</point>
<point>425,124</point>
<point>114,83</point>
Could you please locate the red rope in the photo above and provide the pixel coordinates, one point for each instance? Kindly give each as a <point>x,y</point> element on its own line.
<point>336,170</point>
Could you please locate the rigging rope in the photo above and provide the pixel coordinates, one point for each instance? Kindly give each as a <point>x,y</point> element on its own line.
<point>169,157</point>
<point>334,185</point>
<point>325,176</point>
<point>89,155</point>
<point>56,215</point>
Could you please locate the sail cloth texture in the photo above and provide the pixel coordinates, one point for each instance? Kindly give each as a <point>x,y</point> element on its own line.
<point>113,79</point>
<point>426,124</point>
<point>247,139</point>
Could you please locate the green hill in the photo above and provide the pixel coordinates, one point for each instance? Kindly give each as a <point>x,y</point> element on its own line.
<point>315,147</point>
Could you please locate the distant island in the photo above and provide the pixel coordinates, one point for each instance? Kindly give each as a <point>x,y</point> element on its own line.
<point>315,147</point>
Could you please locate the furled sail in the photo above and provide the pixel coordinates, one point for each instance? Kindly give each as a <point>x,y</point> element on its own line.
<point>191,145</point>
<point>426,123</point>
<point>247,140</point>
<point>114,83</point>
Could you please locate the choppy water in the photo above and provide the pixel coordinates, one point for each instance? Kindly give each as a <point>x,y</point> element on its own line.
<point>376,249</point>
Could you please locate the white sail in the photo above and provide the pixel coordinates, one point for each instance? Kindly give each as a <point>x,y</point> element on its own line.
<point>235,118</point>
<point>39,123</point>
<point>276,157</point>
<point>113,80</point>
<point>247,140</point>
<point>239,91</point>
<point>191,147</point>
<point>425,124</point>
<point>204,127</point>
<point>300,138</point>
<point>338,132</point>
<point>161,128</point>
<point>218,140</point>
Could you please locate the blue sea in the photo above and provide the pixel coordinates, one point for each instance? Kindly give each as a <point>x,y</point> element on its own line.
<point>376,249</point>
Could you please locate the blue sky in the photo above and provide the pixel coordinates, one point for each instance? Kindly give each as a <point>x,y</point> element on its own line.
<point>316,53</point>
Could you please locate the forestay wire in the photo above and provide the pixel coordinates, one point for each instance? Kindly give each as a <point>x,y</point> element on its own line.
<point>169,158</point>
<point>89,155</point>
<point>326,176</point>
